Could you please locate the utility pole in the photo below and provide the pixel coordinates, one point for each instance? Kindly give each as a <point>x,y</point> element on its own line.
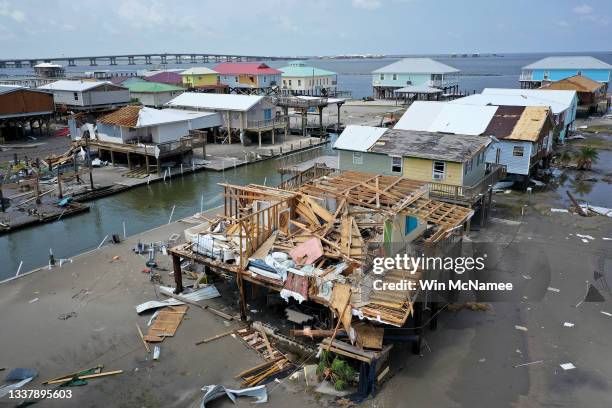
<point>91,183</point>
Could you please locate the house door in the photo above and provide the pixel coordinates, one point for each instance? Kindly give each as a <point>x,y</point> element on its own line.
<point>267,114</point>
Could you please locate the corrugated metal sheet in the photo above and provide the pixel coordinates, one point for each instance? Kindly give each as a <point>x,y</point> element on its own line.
<point>520,97</point>
<point>431,116</point>
<point>4,89</point>
<point>300,69</point>
<point>569,62</point>
<point>416,66</point>
<point>358,138</point>
<point>229,102</point>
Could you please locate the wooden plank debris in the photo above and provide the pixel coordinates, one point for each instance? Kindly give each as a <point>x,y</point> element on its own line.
<point>167,321</point>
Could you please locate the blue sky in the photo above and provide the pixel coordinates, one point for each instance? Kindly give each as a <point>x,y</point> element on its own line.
<point>40,28</point>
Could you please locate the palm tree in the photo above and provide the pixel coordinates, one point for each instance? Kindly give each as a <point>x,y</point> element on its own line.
<point>586,157</point>
<point>565,158</point>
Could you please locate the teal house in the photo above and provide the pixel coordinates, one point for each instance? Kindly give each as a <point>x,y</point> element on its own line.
<point>424,72</point>
<point>553,69</point>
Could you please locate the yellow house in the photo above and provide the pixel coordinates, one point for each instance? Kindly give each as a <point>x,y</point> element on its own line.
<point>457,160</point>
<point>200,77</point>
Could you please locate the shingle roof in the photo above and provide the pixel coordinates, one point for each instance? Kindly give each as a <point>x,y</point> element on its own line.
<point>126,116</point>
<point>74,86</point>
<point>245,68</point>
<point>524,123</point>
<point>199,71</point>
<point>576,83</point>
<point>429,145</point>
<point>569,62</point>
<point>152,87</point>
<point>416,66</point>
<point>300,69</point>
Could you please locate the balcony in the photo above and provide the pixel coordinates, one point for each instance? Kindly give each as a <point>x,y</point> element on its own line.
<point>267,124</point>
<point>467,194</point>
<point>443,83</point>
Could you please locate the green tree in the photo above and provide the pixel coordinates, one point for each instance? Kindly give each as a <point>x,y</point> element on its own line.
<point>586,157</point>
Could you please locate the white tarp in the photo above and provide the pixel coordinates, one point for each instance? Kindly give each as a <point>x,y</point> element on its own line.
<point>358,138</point>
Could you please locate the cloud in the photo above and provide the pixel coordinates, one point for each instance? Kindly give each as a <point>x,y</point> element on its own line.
<point>7,11</point>
<point>367,4</point>
<point>287,24</point>
<point>562,23</point>
<point>141,14</point>
<point>583,9</point>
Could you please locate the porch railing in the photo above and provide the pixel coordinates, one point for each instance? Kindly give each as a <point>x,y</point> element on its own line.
<point>467,194</point>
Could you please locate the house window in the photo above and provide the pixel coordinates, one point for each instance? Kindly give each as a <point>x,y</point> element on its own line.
<point>546,73</point>
<point>382,77</point>
<point>396,164</point>
<point>289,82</point>
<point>518,151</point>
<point>439,168</point>
<point>236,79</point>
<point>357,158</point>
<point>265,79</point>
<point>395,77</point>
<point>285,82</point>
<point>76,96</point>
<point>299,82</point>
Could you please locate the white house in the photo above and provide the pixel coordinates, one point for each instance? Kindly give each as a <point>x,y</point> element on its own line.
<point>139,124</point>
<point>563,104</point>
<point>87,95</point>
<point>240,113</point>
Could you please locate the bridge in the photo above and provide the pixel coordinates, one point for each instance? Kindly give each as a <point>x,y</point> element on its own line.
<point>141,59</point>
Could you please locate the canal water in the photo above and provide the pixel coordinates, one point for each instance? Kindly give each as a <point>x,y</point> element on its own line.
<point>141,208</point>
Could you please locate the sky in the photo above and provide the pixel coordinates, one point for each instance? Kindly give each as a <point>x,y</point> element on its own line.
<point>55,28</point>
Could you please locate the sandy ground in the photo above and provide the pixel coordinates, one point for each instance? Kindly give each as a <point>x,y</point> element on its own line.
<point>470,360</point>
<point>103,293</point>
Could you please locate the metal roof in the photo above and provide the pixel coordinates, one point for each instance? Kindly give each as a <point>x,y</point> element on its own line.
<point>428,145</point>
<point>4,89</point>
<point>416,66</point>
<point>74,86</point>
<point>231,102</point>
<point>199,71</point>
<point>245,68</point>
<point>558,101</point>
<point>151,87</point>
<point>168,77</point>
<point>569,62</point>
<point>358,138</point>
<point>47,65</point>
<point>432,116</point>
<point>300,69</point>
<point>423,89</point>
<point>142,116</point>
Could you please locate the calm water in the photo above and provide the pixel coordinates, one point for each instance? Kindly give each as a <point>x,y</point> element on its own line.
<point>150,206</point>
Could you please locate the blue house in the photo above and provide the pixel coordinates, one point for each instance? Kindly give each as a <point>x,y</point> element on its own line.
<point>413,72</point>
<point>553,69</point>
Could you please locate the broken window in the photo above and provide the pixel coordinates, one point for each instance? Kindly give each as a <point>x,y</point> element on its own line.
<point>439,168</point>
<point>518,151</point>
<point>396,164</point>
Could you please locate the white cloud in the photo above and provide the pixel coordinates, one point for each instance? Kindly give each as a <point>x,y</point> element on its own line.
<point>583,9</point>
<point>141,14</point>
<point>287,24</point>
<point>562,23</point>
<point>367,4</point>
<point>7,11</point>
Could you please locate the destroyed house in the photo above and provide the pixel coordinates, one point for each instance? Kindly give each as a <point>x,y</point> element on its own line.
<point>316,243</point>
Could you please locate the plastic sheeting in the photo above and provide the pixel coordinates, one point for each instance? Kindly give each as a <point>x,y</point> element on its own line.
<point>213,392</point>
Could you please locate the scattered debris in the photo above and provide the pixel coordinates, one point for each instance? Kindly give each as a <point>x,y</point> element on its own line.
<point>146,346</point>
<point>167,321</point>
<point>218,336</point>
<point>523,328</point>
<point>195,295</point>
<point>297,317</point>
<point>66,316</point>
<point>559,210</point>
<point>606,313</point>
<point>156,304</point>
<point>97,368</point>
<point>567,366</point>
<point>85,377</point>
<point>213,392</point>
<point>156,352</point>
<point>530,363</point>
<point>550,288</point>
<point>473,306</point>
<point>585,236</point>
<point>33,300</point>
<point>568,324</point>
